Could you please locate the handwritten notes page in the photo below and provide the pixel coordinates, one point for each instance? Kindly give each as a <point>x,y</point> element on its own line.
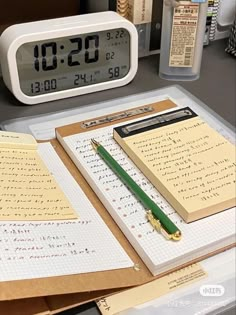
<point>159,255</point>
<point>191,164</point>
<point>28,191</point>
<point>35,249</point>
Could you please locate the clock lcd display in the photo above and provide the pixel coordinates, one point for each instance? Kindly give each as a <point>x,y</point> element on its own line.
<point>60,64</point>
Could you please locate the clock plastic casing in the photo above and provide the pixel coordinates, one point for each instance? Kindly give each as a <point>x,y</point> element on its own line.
<point>16,35</point>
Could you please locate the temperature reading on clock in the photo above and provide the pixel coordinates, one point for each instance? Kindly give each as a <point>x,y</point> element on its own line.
<point>74,61</point>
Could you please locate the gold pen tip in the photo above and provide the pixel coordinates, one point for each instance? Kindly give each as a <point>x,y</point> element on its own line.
<point>95,144</point>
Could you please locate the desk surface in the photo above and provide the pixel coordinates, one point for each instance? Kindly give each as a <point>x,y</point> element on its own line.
<point>216,88</point>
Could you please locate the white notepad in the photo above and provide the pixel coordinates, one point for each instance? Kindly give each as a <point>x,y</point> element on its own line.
<point>199,238</point>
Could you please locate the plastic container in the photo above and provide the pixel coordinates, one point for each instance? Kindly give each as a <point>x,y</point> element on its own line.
<point>183,29</point>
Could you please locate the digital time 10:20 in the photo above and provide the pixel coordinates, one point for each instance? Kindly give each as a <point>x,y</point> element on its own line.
<point>70,62</point>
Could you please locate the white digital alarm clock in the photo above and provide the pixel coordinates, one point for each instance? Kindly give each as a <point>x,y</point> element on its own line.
<point>53,59</point>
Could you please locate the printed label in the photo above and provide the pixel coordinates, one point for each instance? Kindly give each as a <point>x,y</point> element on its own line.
<point>184,29</point>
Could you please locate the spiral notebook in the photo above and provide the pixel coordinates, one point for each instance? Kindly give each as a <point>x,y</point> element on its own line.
<point>200,238</point>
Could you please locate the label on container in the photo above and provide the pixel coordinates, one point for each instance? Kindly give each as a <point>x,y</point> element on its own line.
<point>183,37</point>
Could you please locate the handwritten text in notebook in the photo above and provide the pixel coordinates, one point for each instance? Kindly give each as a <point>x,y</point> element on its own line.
<point>28,191</point>
<point>59,247</point>
<point>157,253</point>
<point>191,164</point>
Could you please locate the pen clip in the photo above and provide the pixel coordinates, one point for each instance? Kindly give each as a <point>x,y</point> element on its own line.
<point>157,226</point>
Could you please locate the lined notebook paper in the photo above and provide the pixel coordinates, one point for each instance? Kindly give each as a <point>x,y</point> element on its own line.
<point>36,249</point>
<point>199,238</point>
<point>27,189</point>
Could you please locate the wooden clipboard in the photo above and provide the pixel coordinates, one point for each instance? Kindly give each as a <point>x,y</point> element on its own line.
<point>65,292</point>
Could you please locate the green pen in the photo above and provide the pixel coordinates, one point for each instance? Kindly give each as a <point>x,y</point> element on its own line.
<point>155,215</point>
